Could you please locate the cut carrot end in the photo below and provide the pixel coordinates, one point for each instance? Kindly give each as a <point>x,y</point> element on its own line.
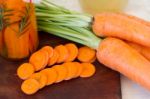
<point>30,86</point>
<point>86,54</point>
<point>88,70</point>
<point>25,71</point>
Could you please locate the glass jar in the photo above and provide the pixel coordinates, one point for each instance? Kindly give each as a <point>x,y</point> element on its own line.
<point>18,29</point>
<point>96,6</point>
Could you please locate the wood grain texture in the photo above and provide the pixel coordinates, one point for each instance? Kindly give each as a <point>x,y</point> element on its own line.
<point>105,84</point>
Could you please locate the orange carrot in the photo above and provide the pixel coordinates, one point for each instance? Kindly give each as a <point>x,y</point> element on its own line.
<point>126,61</point>
<point>124,27</point>
<point>63,53</point>
<point>54,58</point>
<point>38,60</point>
<point>49,49</point>
<point>30,86</point>
<point>73,52</point>
<point>88,70</point>
<point>86,54</point>
<point>61,71</point>
<point>145,51</point>
<point>51,75</point>
<point>41,78</point>
<point>79,68</point>
<point>72,70</point>
<point>25,71</point>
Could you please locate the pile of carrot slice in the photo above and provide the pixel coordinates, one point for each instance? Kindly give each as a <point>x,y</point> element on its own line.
<point>36,75</point>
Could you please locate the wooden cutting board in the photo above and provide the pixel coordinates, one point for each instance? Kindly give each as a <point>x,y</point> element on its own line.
<point>105,84</point>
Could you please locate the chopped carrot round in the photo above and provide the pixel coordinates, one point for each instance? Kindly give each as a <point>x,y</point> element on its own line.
<point>46,58</point>
<point>49,49</point>
<point>38,60</point>
<point>86,54</point>
<point>79,68</point>
<point>51,75</point>
<point>88,70</point>
<point>25,71</point>
<point>61,71</point>
<point>41,78</point>
<point>71,68</point>
<point>63,53</point>
<point>54,58</point>
<point>30,86</point>
<point>73,52</point>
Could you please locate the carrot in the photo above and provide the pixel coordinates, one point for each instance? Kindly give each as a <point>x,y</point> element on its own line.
<point>46,57</point>
<point>145,51</point>
<point>41,78</point>
<point>63,53</point>
<point>79,68</point>
<point>25,71</point>
<point>30,86</point>
<point>51,75</point>
<point>38,60</point>
<point>54,58</point>
<point>86,54</point>
<point>49,49</point>
<point>126,61</point>
<point>124,27</point>
<point>61,71</point>
<point>72,70</point>
<point>73,52</point>
<point>88,70</point>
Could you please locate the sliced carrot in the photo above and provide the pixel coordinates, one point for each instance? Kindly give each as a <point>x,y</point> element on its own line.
<point>37,59</point>
<point>93,60</point>
<point>63,53</point>
<point>51,75</point>
<point>46,58</point>
<point>25,71</point>
<point>79,68</point>
<point>30,86</point>
<point>61,71</point>
<point>54,58</point>
<point>73,52</point>
<point>71,68</point>
<point>86,54</point>
<point>41,78</point>
<point>49,49</point>
<point>88,70</point>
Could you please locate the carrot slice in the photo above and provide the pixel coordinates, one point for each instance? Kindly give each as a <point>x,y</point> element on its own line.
<point>46,58</point>
<point>79,68</point>
<point>88,70</point>
<point>86,54</point>
<point>61,71</point>
<point>51,75</point>
<point>71,68</point>
<point>54,58</point>
<point>25,71</point>
<point>49,49</point>
<point>73,52</point>
<point>41,78</point>
<point>37,59</point>
<point>63,53</point>
<point>30,86</point>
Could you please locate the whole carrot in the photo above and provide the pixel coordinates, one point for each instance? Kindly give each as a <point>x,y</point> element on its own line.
<point>122,26</point>
<point>127,61</point>
<point>145,51</point>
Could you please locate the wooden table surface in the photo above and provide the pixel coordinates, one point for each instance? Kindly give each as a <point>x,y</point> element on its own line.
<point>105,84</point>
